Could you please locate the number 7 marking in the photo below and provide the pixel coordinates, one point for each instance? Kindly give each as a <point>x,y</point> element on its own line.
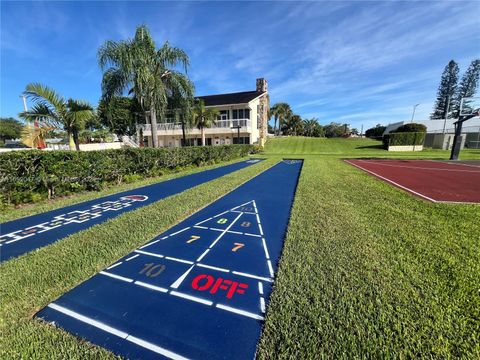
<point>237,246</point>
<point>192,239</point>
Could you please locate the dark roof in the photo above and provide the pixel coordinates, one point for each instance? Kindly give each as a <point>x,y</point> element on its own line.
<point>232,98</point>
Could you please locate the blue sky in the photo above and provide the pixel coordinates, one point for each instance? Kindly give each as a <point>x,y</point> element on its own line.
<point>354,62</point>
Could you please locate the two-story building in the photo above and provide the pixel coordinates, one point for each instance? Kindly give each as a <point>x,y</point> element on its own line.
<point>243,119</point>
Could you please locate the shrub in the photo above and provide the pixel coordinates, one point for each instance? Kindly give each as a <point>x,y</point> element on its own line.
<point>412,127</point>
<point>27,176</point>
<point>403,138</point>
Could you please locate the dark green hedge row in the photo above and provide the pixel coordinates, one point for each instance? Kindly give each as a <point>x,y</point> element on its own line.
<point>403,138</point>
<point>28,176</point>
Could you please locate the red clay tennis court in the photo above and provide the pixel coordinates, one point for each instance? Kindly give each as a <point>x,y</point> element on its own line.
<point>437,181</point>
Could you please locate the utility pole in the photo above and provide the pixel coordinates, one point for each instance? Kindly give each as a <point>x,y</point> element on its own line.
<point>413,113</point>
<point>361,132</point>
<point>238,127</point>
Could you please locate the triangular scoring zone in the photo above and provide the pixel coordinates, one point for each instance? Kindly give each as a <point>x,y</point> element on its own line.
<point>246,209</point>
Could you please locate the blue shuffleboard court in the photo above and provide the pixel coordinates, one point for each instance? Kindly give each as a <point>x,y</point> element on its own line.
<point>197,291</point>
<point>20,236</point>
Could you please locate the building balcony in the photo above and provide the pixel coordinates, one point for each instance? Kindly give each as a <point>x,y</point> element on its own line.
<point>221,126</point>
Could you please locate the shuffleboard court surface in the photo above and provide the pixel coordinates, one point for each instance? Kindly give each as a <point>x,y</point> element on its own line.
<point>199,290</point>
<point>436,181</point>
<point>20,236</point>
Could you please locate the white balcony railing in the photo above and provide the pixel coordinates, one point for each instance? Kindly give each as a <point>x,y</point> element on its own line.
<point>220,124</point>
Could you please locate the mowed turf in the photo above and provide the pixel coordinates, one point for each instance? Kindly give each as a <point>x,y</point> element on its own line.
<point>367,271</point>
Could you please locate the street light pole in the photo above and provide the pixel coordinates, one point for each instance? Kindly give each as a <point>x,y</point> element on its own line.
<point>413,113</point>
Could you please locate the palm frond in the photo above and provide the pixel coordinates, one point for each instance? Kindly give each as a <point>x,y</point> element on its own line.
<point>42,94</point>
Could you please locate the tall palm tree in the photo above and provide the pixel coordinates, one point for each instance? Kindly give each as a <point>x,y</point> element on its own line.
<point>136,66</point>
<point>203,117</point>
<point>54,111</point>
<point>283,112</point>
<point>274,112</point>
<point>311,127</point>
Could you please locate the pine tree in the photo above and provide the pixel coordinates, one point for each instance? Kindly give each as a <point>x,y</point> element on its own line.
<point>446,90</point>
<point>468,85</point>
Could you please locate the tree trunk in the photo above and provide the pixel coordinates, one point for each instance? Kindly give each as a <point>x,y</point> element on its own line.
<point>71,142</point>
<point>183,132</point>
<point>153,122</point>
<point>75,139</point>
<point>203,136</point>
<point>275,127</point>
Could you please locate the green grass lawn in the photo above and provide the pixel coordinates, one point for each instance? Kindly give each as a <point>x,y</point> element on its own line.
<point>367,271</point>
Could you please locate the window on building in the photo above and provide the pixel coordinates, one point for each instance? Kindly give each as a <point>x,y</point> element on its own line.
<point>235,114</point>
<point>241,140</point>
<point>223,115</point>
<point>247,114</point>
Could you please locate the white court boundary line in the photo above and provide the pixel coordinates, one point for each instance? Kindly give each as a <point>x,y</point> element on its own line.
<point>392,182</point>
<point>121,334</point>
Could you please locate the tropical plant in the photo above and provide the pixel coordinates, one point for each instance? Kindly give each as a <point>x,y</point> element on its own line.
<point>136,66</point>
<point>293,126</point>
<point>52,111</point>
<point>312,128</point>
<point>119,114</point>
<point>34,135</point>
<point>204,117</point>
<point>282,112</point>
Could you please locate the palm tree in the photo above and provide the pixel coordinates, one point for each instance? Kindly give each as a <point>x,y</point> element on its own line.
<point>294,125</point>
<point>311,127</point>
<point>274,112</point>
<point>34,135</point>
<point>283,112</point>
<point>136,66</point>
<point>204,117</point>
<point>55,112</point>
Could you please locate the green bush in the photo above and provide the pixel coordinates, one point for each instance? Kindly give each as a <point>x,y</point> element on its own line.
<point>403,138</point>
<point>27,176</point>
<point>412,127</point>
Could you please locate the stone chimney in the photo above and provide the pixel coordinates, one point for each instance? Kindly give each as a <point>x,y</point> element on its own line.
<point>262,84</point>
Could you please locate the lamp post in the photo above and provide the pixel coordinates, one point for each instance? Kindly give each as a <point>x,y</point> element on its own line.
<point>413,113</point>
<point>238,127</point>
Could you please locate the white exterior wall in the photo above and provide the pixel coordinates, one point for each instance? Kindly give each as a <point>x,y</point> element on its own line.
<point>220,136</point>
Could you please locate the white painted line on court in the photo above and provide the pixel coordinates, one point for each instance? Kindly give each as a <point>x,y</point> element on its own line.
<point>149,244</point>
<point>262,305</point>
<point>203,255</point>
<point>88,320</point>
<point>240,312</point>
<point>153,287</point>
<point>201,227</point>
<point>392,182</point>
<point>417,167</point>
<point>121,334</point>
<point>235,232</point>
<point>225,231</point>
<point>179,281</point>
<point>149,253</point>
<point>258,218</point>
<point>180,231</point>
<point>190,297</point>
<point>23,237</point>
<point>248,234</point>
<point>260,288</point>
<point>118,277</point>
<point>267,255</point>
<point>114,265</point>
<point>221,214</point>
<point>213,267</point>
<point>252,276</point>
<point>216,229</point>
<point>270,268</point>
<point>201,222</point>
<point>155,348</point>
<point>179,260</point>
<point>163,238</point>
<point>132,257</point>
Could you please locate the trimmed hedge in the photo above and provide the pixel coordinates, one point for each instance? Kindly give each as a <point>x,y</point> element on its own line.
<point>29,176</point>
<point>403,138</point>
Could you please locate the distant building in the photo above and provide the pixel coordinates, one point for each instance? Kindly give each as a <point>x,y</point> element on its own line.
<point>440,132</point>
<point>248,109</point>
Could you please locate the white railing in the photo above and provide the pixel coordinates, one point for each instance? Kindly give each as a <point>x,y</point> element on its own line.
<point>220,124</point>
